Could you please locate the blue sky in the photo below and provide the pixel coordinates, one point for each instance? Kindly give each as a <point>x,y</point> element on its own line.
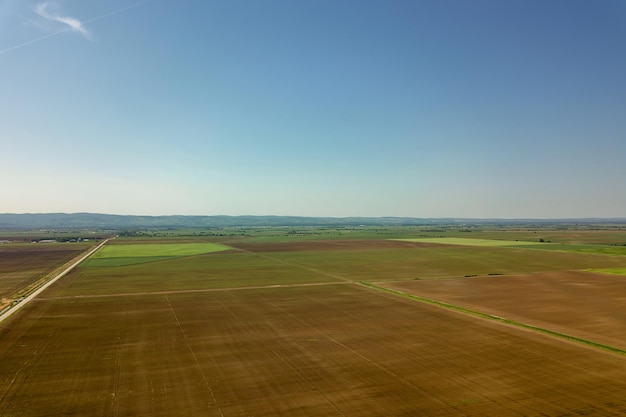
<point>421,108</point>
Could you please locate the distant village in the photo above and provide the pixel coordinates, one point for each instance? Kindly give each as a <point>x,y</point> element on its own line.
<point>59,240</point>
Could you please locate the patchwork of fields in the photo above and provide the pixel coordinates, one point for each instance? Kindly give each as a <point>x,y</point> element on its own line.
<point>245,328</point>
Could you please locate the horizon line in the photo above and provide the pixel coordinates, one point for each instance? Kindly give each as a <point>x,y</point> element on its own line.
<point>316,217</point>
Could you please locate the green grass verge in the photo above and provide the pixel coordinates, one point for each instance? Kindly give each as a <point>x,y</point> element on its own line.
<point>170,250</point>
<point>594,249</point>
<point>612,271</point>
<point>498,319</point>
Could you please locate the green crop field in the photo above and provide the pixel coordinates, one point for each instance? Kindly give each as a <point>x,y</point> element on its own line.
<point>600,249</point>
<point>612,271</point>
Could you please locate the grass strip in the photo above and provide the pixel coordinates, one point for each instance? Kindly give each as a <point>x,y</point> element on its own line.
<point>611,271</point>
<point>475,313</point>
<point>474,242</point>
<point>588,249</point>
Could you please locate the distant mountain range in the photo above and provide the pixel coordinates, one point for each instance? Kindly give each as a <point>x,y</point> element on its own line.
<point>122,222</point>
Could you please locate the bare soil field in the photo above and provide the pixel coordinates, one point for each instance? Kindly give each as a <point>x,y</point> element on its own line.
<point>308,351</point>
<point>583,304</point>
<point>23,264</point>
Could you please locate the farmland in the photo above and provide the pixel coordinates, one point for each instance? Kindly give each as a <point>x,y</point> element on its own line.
<point>578,303</point>
<point>252,325</point>
<point>22,265</point>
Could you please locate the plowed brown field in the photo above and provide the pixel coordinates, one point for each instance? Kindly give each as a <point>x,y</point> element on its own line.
<point>583,304</point>
<point>23,264</point>
<point>284,329</point>
<point>306,351</point>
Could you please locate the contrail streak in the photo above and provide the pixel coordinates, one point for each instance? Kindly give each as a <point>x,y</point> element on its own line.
<point>67,29</point>
<point>123,9</point>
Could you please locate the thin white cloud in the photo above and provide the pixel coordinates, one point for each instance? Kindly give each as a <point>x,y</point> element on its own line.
<point>75,26</point>
<point>42,9</point>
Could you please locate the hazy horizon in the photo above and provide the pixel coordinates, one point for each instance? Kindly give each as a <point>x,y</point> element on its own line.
<point>338,217</point>
<point>429,109</point>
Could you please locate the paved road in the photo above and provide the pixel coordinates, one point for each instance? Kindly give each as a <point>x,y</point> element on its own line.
<point>8,313</point>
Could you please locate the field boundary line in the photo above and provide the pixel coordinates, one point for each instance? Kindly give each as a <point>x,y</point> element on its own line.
<point>8,312</point>
<point>170,292</point>
<point>499,319</point>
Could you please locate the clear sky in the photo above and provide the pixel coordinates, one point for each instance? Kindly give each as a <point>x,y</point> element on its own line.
<point>421,108</point>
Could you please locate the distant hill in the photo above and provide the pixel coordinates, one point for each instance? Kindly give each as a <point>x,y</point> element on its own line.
<point>110,221</point>
<point>119,222</point>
